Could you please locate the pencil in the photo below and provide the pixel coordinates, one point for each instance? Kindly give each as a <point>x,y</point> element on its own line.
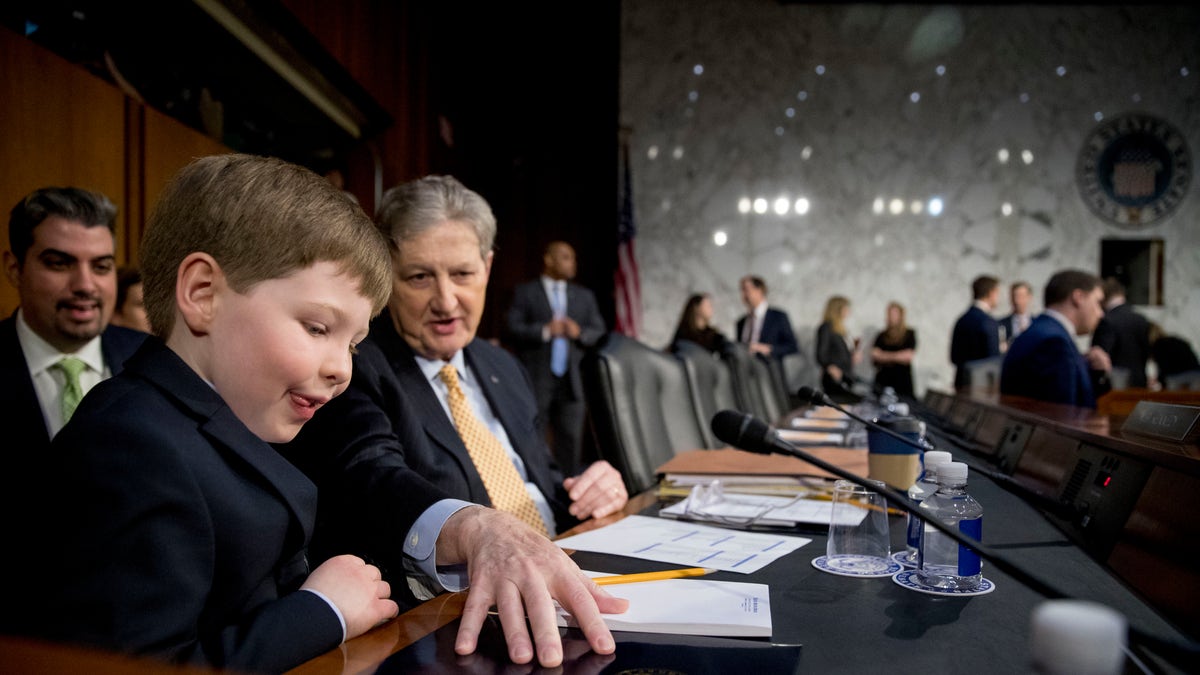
<point>653,576</point>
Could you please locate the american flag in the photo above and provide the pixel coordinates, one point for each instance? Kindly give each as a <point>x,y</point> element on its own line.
<point>628,286</point>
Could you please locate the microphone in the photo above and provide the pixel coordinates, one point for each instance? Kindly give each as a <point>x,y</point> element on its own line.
<point>1065,510</point>
<point>749,433</point>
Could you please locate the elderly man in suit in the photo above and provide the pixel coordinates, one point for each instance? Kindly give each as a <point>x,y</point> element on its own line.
<point>1044,362</point>
<point>58,344</point>
<point>976,334</point>
<point>429,396</point>
<point>766,330</point>
<point>551,322</point>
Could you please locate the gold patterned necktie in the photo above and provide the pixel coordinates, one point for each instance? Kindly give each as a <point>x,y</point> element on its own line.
<point>500,478</point>
<point>72,391</point>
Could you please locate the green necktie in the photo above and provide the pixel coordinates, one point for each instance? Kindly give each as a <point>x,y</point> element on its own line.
<point>72,392</point>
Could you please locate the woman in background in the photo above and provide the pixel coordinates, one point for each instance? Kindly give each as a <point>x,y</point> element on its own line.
<point>836,352</point>
<point>695,324</point>
<point>893,353</point>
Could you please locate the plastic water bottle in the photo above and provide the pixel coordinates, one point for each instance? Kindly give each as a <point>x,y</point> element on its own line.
<point>921,490</point>
<point>942,562</point>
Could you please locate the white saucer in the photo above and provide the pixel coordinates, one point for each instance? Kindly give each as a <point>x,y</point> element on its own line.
<point>902,558</point>
<point>858,566</point>
<point>908,579</point>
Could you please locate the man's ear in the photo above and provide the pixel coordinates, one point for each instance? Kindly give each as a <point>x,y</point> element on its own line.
<point>12,268</point>
<point>196,286</point>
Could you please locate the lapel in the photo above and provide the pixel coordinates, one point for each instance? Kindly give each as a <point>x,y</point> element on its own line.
<point>543,300</point>
<point>492,382</point>
<point>160,366</point>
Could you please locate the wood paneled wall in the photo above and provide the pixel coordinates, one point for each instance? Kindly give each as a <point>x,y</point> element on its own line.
<point>61,125</point>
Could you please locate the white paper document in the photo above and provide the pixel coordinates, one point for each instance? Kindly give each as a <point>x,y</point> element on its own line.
<point>766,510</point>
<point>689,607</point>
<point>686,543</point>
<point>810,437</point>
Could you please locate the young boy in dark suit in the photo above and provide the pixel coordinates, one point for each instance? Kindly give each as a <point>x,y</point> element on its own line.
<point>182,532</point>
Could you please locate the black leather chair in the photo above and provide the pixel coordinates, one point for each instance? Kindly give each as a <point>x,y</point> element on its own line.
<point>640,406</point>
<point>758,382</point>
<point>711,385</point>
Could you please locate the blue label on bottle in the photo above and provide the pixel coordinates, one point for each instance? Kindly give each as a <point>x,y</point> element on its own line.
<point>968,560</point>
<point>915,525</point>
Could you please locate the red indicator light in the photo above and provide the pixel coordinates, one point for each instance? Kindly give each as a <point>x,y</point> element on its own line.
<point>1107,480</point>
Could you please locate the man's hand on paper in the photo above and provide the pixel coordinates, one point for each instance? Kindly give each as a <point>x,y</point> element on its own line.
<point>522,573</point>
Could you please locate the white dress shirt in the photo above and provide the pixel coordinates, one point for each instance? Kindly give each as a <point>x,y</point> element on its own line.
<point>551,286</point>
<point>48,382</point>
<point>752,330</point>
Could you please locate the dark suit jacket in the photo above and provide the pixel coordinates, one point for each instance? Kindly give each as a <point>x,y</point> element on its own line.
<point>976,336</point>
<point>390,417</point>
<point>530,310</point>
<point>24,425</point>
<point>1044,363</point>
<point>1125,335</point>
<point>776,331</point>
<point>173,530</point>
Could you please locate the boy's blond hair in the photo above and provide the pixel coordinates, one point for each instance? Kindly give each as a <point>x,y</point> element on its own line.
<point>260,218</point>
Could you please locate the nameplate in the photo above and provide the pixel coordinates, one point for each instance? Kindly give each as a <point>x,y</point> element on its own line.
<point>1164,420</point>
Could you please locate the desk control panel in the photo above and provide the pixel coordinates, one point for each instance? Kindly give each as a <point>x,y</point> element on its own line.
<point>1103,488</point>
<point>1012,444</point>
<point>1128,502</point>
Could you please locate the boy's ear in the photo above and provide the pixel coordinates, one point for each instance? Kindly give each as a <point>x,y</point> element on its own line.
<point>195,290</point>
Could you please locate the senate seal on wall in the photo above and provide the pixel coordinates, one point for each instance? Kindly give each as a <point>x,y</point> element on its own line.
<point>1134,170</point>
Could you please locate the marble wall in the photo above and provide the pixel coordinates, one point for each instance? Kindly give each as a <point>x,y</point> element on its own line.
<point>839,114</point>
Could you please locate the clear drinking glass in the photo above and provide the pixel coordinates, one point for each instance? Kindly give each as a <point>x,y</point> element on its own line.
<point>859,542</point>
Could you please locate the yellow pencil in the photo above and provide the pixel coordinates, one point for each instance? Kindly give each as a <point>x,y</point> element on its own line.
<point>653,576</point>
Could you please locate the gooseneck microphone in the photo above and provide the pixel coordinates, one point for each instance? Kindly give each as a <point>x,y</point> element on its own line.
<point>1064,510</point>
<point>749,433</point>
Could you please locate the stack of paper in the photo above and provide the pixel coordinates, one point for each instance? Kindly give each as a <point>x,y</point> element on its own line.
<point>689,607</point>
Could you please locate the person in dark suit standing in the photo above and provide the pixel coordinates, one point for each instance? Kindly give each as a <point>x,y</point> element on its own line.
<point>765,330</point>
<point>166,523</point>
<point>1019,295</point>
<point>61,260</point>
<point>1044,362</point>
<point>976,334</point>
<point>550,323</point>
<point>1123,334</point>
<point>837,352</point>
<point>430,397</point>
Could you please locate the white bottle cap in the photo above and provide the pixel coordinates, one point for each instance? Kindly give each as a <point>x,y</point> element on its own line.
<point>1077,637</point>
<point>952,471</point>
<point>935,457</point>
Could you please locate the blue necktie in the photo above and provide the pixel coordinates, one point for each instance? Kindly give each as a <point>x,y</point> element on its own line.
<point>558,346</point>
